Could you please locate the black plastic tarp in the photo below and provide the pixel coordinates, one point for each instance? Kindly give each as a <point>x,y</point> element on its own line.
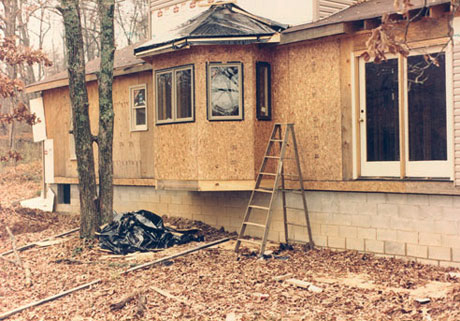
<point>142,231</point>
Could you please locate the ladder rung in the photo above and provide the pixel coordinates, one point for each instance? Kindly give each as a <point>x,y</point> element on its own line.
<point>267,174</point>
<point>261,190</point>
<point>276,140</point>
<point>254,224</point>
<point>259,207</point>
<point>295,224</point>
<point>273,157</point>
<point>294,208</point>
<point>250,241</point>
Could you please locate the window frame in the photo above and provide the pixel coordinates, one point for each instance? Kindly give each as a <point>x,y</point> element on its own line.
<point>403,168</point>
<point>268,93</point>
<point>240,115</point>
<point>132,108</point>
<point>173,71</point>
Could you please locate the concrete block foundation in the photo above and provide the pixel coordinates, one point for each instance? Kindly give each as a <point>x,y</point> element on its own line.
<point>421,227</point>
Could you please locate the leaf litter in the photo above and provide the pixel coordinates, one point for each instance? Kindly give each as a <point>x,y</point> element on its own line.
<point>212,284</point>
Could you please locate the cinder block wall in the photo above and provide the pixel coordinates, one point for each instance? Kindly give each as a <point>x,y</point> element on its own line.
<point>425,228</point>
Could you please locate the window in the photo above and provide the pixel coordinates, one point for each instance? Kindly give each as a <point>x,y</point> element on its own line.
<point>405,107</point>
<point>263,85</point>
<point>174,92</point>
<point>138,103</point>
<point>225,91</point>
<point>63,194</point>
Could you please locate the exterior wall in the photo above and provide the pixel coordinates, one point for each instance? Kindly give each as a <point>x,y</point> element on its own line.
<point>306,91</point>
<point>132,150</point>
<point>421,227</point>
<point>211,150</point>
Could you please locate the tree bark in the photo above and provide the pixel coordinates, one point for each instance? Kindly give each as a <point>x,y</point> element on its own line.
<point>106,113</point>
<point>81,123</point>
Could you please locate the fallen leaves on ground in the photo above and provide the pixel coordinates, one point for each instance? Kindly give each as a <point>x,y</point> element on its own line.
<point>215,283</point>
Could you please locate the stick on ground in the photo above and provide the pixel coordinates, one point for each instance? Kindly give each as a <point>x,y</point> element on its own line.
<point>21,263</point>
<point>51,298</point>
<point>30,245</point>
<point>87,285</point>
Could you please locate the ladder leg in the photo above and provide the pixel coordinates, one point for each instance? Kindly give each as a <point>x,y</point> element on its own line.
<point>304,200</point>
<point>283,196</point>
<point>247,214</point>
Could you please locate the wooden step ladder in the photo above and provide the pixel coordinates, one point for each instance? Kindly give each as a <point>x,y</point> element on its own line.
<point>277,139</point>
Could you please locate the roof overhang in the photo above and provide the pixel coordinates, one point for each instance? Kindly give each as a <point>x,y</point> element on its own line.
<point>64,82</point>
<point>317,32</point>
<point>186,43</point>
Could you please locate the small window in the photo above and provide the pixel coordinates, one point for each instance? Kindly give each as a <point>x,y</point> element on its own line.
<point>263,84</point>
<point>225,91</point>
<point>174,92</point>
<point>63,196</point>
<point>138,102</point>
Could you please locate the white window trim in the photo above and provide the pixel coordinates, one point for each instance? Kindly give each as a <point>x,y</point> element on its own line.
<point>390,168</point>
<point>403,168</point>
<point>173,72</point>
<point>432,168</point>
<point>132,109</point>
<point>240,115</point>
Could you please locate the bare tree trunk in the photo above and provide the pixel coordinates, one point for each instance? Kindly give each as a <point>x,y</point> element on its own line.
<point>106,114</point>
<point>81,122</point>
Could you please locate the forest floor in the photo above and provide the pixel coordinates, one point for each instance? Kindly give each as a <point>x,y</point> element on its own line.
<point>210,284</point>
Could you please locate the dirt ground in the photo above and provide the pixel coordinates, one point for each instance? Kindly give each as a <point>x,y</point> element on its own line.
<point>211,284</point>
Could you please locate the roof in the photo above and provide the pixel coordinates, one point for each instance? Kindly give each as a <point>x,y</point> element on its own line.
<point>221,23</point>
<point>124,63</point>
<point>361,11</point>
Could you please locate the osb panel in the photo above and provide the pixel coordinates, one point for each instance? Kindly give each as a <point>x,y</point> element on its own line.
<point>57,116</point>
<point>132,151</point>
<point>309,87</point>
<point>207,150</point>
<point>346,47</point>
<point>262,129</point>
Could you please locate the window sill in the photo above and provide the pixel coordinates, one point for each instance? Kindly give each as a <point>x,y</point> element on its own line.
<point>144,129</point>
<point>174,122</point>
<point>406,179</point>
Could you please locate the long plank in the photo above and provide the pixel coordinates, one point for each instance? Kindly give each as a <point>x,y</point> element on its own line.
<point>51,298</point>
<point>30,245</point>
<point>176,255</point>
<point>87,285</point>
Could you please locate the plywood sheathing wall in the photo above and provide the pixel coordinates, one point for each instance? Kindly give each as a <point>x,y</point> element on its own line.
<point>307,92</point>
<point>133,151</point>
<point>262,129</point>
<point>207,150</point>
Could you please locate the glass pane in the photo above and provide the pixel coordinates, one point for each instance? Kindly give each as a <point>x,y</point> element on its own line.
<point>382,114</point>
<point>225,91</point>
<point>139,97</point>
<point>262,91</point>
<point>140,116</point>
<point>427,108</point>
<point>184,93</point>
<point>164,92</point>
